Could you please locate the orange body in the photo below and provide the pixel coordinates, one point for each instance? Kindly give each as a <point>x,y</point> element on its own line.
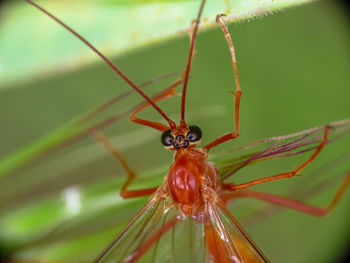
<point>189,177</point>
<point>193,183</point>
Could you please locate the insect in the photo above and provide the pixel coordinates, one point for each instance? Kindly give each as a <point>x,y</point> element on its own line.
<point>203,201</point>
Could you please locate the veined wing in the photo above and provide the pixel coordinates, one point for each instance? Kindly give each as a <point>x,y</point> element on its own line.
<point>226,239</point>
<point>129,243</point>
<point>158,233</point>
<point>161,233</point>
<point>282,146</point>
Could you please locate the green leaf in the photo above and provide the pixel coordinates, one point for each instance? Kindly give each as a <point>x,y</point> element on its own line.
<point>114,26</point>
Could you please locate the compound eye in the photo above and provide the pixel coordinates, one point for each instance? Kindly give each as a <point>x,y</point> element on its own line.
<point>195,134</point>
<point>167,139</point>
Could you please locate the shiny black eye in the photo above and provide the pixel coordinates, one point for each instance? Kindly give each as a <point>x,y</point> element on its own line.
<point>194,135</point>
<point>167,139</point>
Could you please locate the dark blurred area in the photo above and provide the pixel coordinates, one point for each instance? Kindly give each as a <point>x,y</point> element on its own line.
<point>346,257</point>
<point>346,4</point>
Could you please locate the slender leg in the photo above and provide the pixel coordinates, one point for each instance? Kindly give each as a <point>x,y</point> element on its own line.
<point>130,173</point>
<point>125,94</point>
<point>237,93</point>
<point>287,202</point>
<point>295,172</point>
<point>168,93</point>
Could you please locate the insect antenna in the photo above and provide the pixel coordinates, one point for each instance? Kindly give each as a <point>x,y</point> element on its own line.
<point>189,63</point>
<point>110,64</point>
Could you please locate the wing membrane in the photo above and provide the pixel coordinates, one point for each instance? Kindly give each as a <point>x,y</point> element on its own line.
<point>130,241</point>
<point>282,146</point>
<point>227,240</point>
<point>158,233</point>
<point>161,233</point>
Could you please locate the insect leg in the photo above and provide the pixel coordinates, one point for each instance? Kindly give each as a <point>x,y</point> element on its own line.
<point>168,93</point>
<point>130,173</point>
<point>295,172</point>
<point>237,93</point>
<point>291,203</point>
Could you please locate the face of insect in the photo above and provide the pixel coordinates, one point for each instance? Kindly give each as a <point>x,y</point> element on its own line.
<point>181,138</point>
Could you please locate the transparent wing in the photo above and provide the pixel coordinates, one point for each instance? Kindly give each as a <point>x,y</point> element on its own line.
<point>226,239</point>
<point>158,233</point>
<point>280,147</point>
<point>161,233</point>
<point>137,235</point>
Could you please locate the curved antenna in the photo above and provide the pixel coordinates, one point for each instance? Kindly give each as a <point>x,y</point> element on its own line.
<point>189,63</point>
<point>110,64</point>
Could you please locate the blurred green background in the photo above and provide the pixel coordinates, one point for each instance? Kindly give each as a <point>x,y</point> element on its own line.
<point>294,73</point>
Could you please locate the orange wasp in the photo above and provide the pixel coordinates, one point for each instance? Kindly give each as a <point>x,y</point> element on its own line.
<point>193,190</point>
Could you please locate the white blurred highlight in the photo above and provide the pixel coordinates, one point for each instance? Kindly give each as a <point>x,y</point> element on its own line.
<point>71,197</point>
